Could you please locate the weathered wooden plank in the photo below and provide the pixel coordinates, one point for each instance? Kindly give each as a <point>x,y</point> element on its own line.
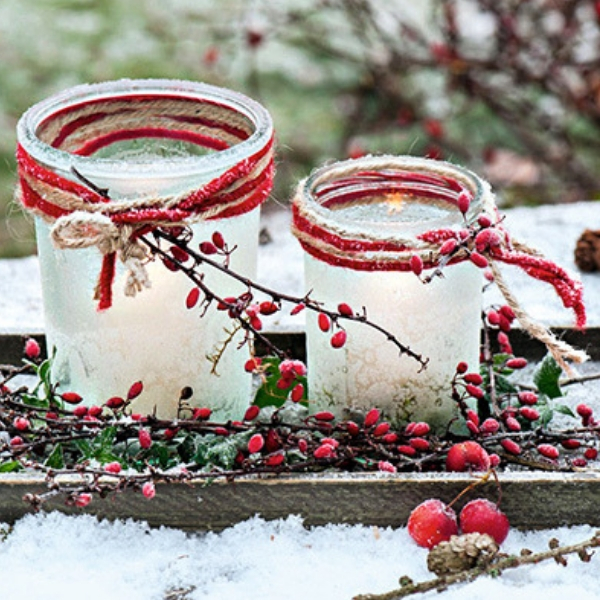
<point>531,500</point>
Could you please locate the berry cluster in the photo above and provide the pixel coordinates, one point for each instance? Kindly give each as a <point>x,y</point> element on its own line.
<point>433,521</point>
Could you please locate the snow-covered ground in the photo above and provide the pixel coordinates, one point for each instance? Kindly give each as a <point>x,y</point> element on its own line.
<point>54,557</point>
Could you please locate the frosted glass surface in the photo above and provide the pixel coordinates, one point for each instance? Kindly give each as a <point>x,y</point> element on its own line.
<point>440,320</point>
<point>152,337</point>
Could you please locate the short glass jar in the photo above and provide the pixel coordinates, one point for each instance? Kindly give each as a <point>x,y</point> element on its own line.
<point>156,146</point>
<point>367,226</point>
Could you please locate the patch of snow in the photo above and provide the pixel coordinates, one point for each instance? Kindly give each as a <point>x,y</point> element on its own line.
<point>58,557</point>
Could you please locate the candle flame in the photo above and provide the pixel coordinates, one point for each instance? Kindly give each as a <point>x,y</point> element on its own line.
<point>395,203</point>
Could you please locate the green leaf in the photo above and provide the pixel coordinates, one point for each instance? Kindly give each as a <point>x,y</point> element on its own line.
<point>10,466</point>
<point>546,377</point>
<point>56,460</point>
<point>269,394</point>
<point>565,410</point>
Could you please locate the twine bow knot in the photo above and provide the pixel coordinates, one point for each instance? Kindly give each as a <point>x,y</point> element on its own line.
<point>81,229</point>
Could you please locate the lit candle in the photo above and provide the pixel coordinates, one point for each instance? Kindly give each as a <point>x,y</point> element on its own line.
<point>363,224</point>
<point>144,142</point>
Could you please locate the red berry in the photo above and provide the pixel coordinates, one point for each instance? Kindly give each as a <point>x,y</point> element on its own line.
<point>115,402</point>
<point>297,309</point>
<point>420,444</point>
<point>474,378</point>
<point>448,247</point>
<point>297,393</point>
<point>71,397</point>
<point>338,339</point>
<point>217,240</point>
<point>222,431</point>
<point>345,309</point>
<point>352,428</point>
<point>467,456</point>
<point>17,440</point>
<point>475,391</point>
<point>251,412</point>
<point>149,490</point>
<point>268,308</point>
<point>82,500</point>
<point>407,450</point>
<point>324,451</point>
<point>32,349</point>
<point>372,417</point>
<point>179,254</point>
<point>302,445</point>
<point>381,429</point>
<point>512,424</point>
<point>493,318</point>
<point>113,467</point>
<point>192,298</point>
<point>418,429</point>
<point>21,424</point>
<point>95,411</point>
<point>516,363</point>
<point>571,444</point>
<point>201,414</point>
<point>508,312</point>
<point>252,364</point>
<point>548,450</point>
<point>462,367</point>
<point>208,248</point>
<point>511,446</point>
<point>256,443</point>
<point>79,411</point>
<point>324,322</point>
<point>324,415</point>
<point>416,264</point>
<point>490,426</point>
<point>463,202</point>
<point>584,411</point>
<point>432,522</point>
<point>274,460</point>
<point>483,516</point>
<point>484,220</point>
<point>528,398</point>
<point>433,128</point>
<point>591,453</point>
<point>135,390</point>
<point>529,413</point>
<point>478,260</point>
<point>390,438</point>
<point>385,466</point>
<point>145,439</point>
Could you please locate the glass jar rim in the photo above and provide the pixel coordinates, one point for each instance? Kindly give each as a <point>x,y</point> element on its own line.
<point>481,199</point>
<point>179,166</point>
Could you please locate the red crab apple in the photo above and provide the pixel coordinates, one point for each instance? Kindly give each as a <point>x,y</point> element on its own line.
<point>483,516</point>
<point>467,456</point>
<point>432,522</point>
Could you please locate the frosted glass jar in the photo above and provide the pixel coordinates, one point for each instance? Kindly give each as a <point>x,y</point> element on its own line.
<point>361,223</point>
<point>142,140</point>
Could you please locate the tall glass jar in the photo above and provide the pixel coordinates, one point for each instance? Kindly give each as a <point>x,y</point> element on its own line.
<point>156,146</point>
<point>372,230</point>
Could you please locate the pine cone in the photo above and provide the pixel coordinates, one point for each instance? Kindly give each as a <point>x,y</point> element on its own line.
<point>462,552</point>
<point>587,251</point>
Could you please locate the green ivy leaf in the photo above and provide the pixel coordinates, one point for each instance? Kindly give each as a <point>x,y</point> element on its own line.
<point>565,410</point>
<point>10,466</point>
<point>546,377</point>
<point>56,459</point>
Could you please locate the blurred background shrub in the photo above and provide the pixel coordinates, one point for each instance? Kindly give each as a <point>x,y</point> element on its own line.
<point>511,89</point>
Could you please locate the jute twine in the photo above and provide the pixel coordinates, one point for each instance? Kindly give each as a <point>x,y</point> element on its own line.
<point>82,216</point>
<point>365,246</point>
